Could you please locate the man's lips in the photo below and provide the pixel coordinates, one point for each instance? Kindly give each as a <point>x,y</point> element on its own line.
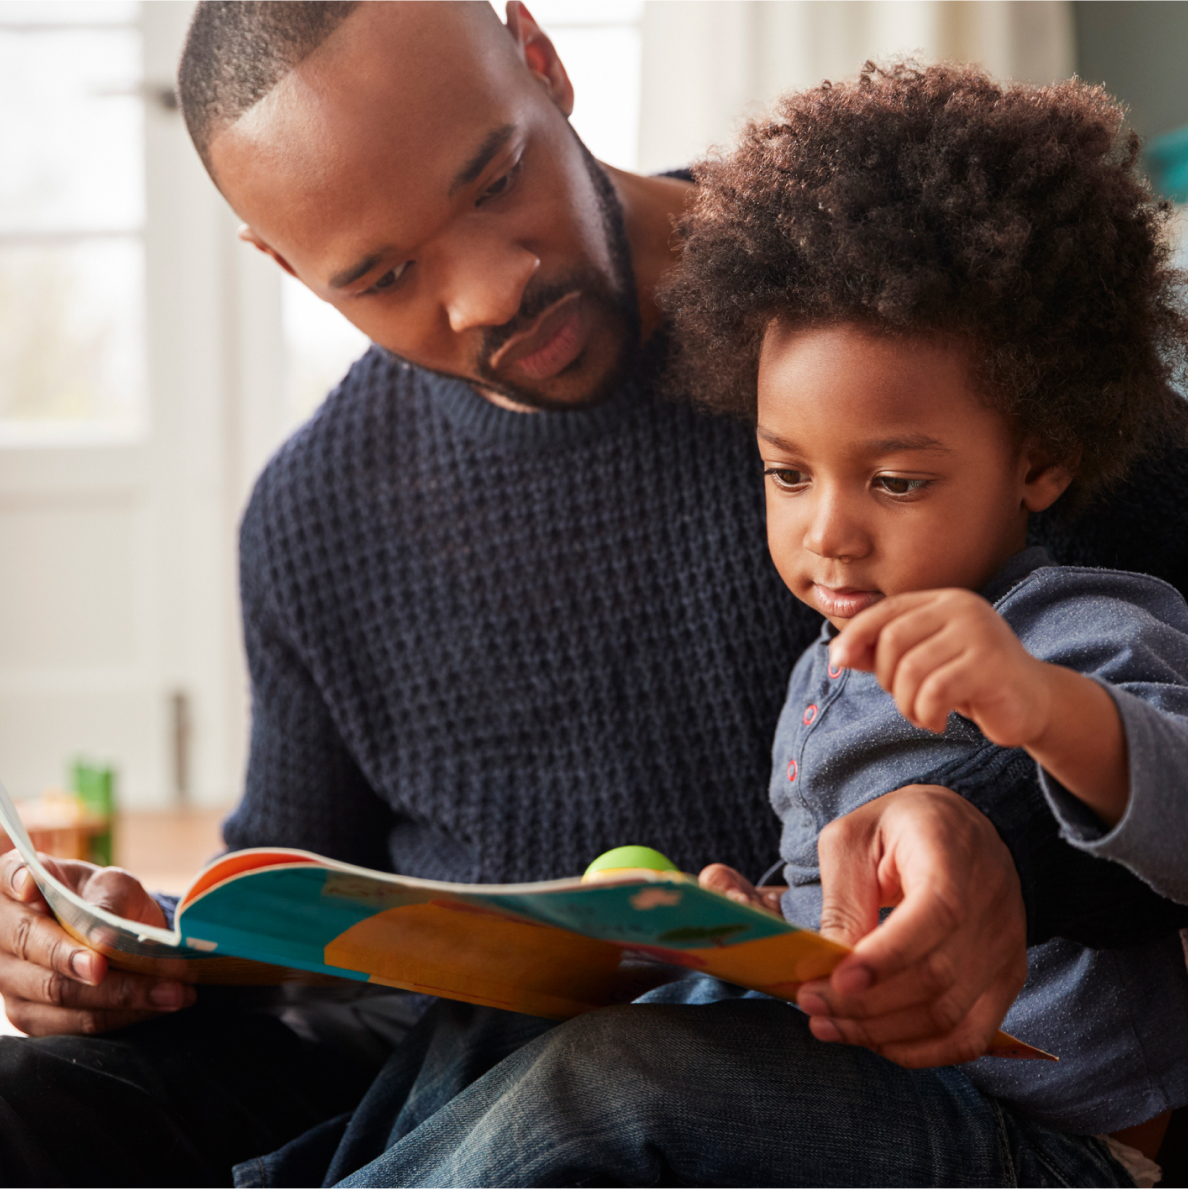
<point>843,602</point>
<point>550,344</point>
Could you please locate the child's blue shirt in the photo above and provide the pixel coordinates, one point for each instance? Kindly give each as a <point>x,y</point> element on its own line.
<point>1118,1019</point>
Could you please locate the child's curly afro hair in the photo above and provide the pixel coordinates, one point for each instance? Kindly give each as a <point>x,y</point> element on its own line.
<point>937,202</point>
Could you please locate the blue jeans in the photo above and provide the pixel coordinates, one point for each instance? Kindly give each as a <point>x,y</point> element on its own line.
<point>719,1088</point>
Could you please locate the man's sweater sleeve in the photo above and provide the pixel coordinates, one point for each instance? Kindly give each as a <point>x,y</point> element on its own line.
<point>303,788</point>
<point>1066,892</point>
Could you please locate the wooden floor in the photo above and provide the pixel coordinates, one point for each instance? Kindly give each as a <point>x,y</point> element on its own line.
<point>164,850</point>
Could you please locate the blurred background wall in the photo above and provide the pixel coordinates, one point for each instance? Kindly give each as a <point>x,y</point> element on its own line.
<point>150,363</point>
<point>1138,51</point>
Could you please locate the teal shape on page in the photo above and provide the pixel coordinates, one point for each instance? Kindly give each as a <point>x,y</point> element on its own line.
<point>698,919</point>
<point>278,915</point>
<point>278,951</point>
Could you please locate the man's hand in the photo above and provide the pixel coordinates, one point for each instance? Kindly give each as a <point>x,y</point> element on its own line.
<point>734,886</point>
<point>930,986</point>
<point>52,985</point>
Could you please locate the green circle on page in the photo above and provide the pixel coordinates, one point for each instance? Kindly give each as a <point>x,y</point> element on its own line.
<point>632,856</point>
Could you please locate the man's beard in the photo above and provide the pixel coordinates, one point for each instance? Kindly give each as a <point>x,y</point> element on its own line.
<point>616,296</point>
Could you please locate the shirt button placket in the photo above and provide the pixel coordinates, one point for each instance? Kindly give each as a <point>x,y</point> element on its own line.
<point>812,712</point>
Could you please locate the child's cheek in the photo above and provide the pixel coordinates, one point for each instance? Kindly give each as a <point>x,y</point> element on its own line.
<point>783,541</point>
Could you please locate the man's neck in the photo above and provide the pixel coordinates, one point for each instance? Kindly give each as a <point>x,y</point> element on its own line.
<point>651,208</point>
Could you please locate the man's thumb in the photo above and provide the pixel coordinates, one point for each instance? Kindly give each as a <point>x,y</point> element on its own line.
<point>850,895</point>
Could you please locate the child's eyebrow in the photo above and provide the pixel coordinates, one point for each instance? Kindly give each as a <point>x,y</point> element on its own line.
<point>774,438</point>
<point>921,441</point>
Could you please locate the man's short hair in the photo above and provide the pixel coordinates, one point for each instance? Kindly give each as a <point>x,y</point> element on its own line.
<point>236,51</point>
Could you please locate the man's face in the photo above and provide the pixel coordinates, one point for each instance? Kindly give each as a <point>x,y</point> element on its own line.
<point>415,173</point>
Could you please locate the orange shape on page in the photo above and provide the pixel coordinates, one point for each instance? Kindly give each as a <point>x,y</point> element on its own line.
<point>481,957</point>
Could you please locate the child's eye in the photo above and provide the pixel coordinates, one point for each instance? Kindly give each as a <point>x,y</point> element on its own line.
<point>897,485</point>
<point>786,477</point>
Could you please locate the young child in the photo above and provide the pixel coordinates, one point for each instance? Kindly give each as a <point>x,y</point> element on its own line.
<point>947,307</point>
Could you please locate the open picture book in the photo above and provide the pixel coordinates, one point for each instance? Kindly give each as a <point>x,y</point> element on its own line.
<point>556,948</point>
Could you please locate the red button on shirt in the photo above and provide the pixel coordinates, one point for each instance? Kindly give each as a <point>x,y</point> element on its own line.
<point>809,714</point>
<point>834,673</point>
<point>791,769</point>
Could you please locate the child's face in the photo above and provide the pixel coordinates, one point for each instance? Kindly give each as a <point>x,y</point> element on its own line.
<point>885,471</point>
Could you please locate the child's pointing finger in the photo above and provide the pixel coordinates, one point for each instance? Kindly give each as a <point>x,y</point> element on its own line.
<point>855,645</point>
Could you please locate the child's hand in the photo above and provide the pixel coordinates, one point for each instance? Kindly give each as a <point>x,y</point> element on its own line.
<point>720,878</point>
<point>936,651</point>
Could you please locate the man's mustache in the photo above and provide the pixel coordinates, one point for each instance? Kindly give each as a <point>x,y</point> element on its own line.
<point>537,298</point>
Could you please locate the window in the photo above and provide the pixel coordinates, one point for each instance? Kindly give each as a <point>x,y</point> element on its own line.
<point>320,344</point>
<point>72,348</point>
<point>600,42</point>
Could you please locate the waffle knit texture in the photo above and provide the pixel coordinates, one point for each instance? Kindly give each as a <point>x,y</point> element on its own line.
<point>488,646</point>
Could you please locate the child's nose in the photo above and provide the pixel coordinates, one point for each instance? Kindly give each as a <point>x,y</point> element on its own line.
<point>835,532</point>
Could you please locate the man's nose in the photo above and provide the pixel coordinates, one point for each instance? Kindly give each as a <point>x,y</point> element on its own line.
<point>486,288</point>
<point>835,530</point>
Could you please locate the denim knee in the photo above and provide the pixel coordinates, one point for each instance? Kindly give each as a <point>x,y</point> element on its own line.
<point>616,1063</point>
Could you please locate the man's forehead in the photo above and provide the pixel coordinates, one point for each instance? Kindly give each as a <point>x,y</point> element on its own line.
<point>385,116</point>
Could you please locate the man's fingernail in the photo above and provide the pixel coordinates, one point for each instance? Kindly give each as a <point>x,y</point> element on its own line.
<point>853,980</point>
<point>168,996</point>
<point>824,1029</point>
<point>812,1003</point>
<point>83,966</point>
<point>20,880</point>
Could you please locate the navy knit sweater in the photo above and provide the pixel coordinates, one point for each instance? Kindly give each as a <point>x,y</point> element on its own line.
<point>488,646</point>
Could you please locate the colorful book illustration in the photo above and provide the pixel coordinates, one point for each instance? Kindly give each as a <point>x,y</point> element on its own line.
<point>555,949</point>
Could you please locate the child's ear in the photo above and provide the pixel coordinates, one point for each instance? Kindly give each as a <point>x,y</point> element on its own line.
<point>1044,481</point>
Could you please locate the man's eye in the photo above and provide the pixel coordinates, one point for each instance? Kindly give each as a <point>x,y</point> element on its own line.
<point>390,278</point>
<point>786,477</point>
<point>501,185</point>
<point>896,485</point>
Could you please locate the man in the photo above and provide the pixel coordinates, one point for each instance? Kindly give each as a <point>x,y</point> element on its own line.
<point>504,608</point>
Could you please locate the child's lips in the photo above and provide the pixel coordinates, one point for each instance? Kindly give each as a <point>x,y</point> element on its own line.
<point>843,602</point>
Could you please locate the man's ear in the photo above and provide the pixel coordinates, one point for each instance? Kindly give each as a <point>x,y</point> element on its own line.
<point>537,52</point>
<point>1044,481</point>
<point>249,236</point>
